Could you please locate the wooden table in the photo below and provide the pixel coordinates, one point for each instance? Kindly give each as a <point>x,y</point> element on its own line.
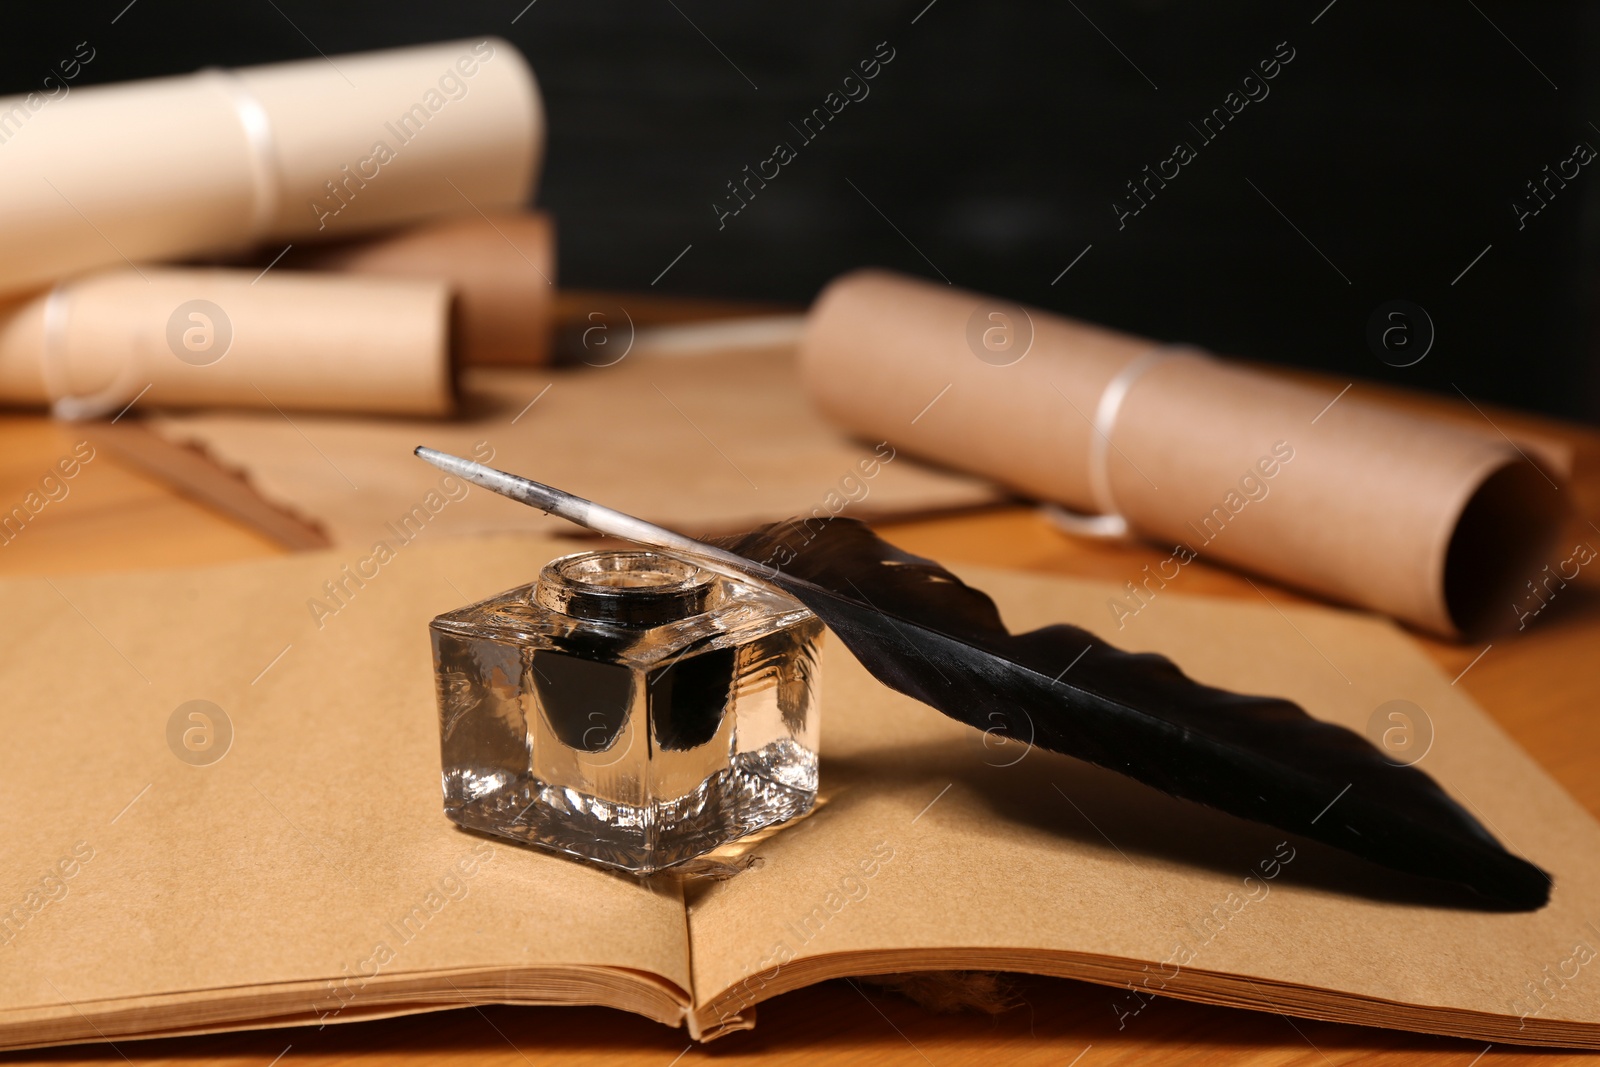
<point>1540,685</point>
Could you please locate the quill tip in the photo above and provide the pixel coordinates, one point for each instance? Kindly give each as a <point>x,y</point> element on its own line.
<point>472,471</point>
<point>523,490</point>
<point>433,456</point>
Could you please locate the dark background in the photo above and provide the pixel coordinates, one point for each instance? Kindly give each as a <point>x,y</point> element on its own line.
<point>991,148</point>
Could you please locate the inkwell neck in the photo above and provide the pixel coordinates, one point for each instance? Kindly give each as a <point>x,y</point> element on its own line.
<point>627,588</point>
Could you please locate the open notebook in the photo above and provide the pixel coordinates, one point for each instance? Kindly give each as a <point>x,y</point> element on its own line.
<point>309,874</point>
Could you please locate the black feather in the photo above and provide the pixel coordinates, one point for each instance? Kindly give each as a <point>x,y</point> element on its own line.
<point>923,632</point>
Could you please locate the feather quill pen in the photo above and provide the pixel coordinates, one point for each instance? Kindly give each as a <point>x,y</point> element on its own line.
<point>923,632</point>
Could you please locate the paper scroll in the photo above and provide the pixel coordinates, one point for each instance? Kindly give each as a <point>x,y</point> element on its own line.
<point>1434,524</point>
<point>176,167</point>
<point>186,338</point>
<point>501,266</point>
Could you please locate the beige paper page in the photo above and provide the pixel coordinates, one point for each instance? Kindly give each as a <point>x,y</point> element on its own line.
<point>938,847</point>
<point>265,885</point>
<point>701,443</point>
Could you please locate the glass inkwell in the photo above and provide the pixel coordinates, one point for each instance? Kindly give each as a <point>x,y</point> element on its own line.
<point>630,708</point>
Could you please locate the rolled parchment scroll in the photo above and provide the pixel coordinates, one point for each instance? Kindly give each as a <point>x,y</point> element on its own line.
<point>187,338</point>
<point>172,168</point>
<point>501,266</point>
<point>1434,524</point>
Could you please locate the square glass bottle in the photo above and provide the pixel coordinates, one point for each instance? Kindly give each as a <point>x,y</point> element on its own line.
<point>629,708</point>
